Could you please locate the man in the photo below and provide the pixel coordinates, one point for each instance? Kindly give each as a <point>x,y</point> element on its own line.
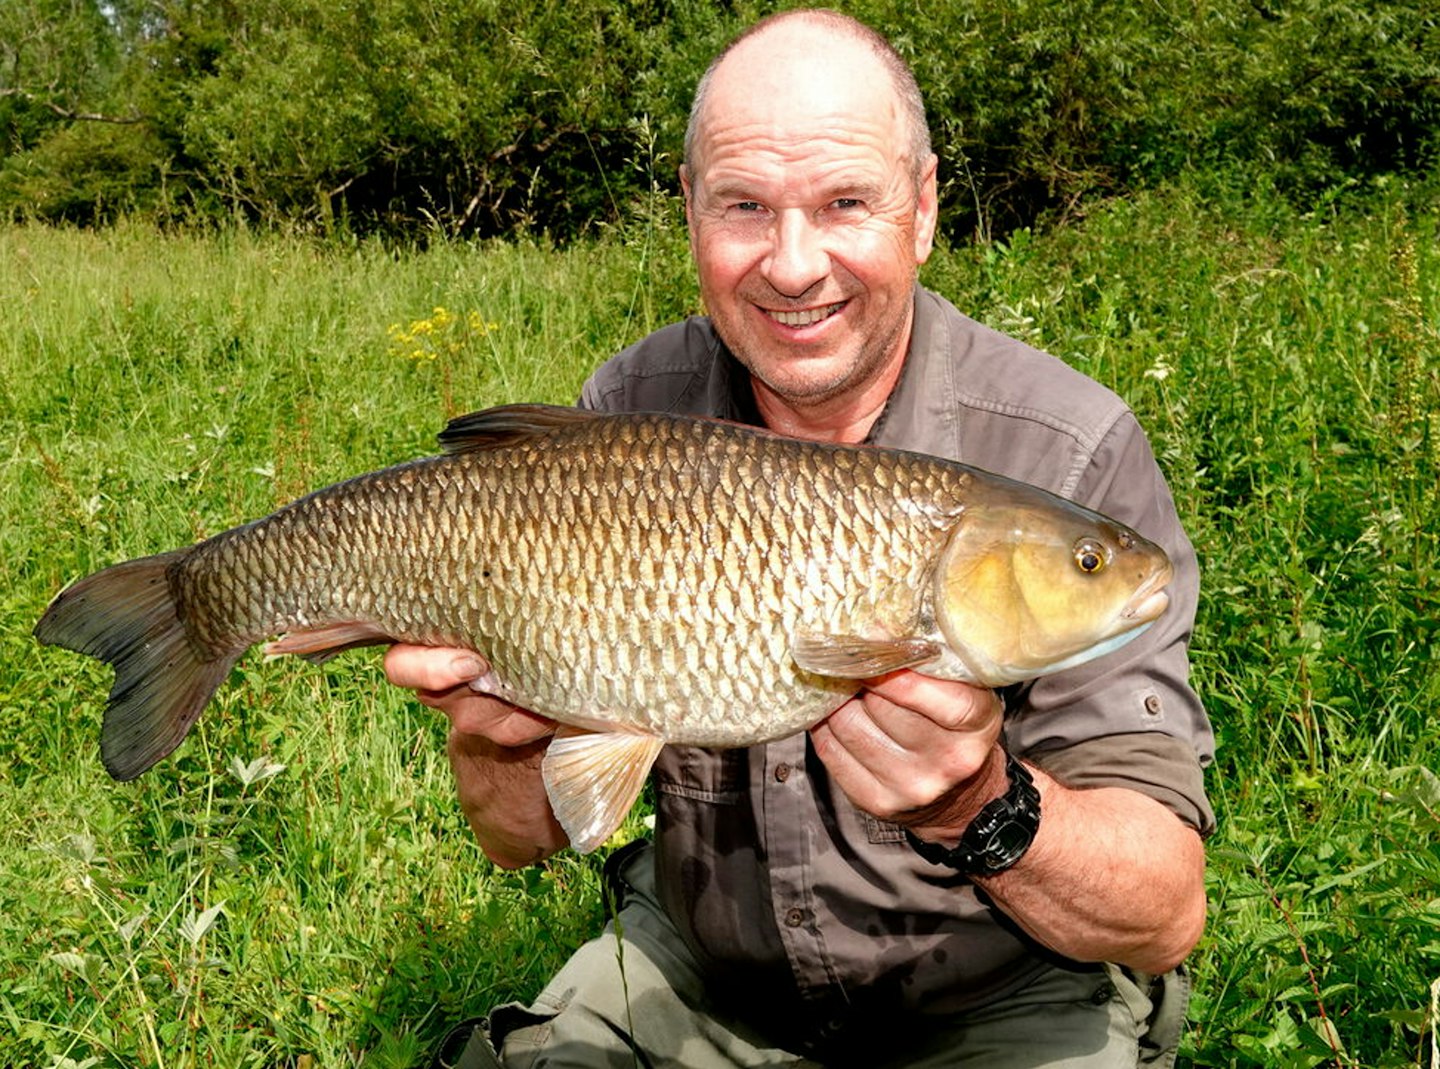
<point>786,915</point>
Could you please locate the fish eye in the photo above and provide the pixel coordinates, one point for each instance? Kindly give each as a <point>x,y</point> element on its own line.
<point>1090,556</point>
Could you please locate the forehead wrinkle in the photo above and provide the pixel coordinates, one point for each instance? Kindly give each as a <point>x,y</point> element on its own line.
<point>755,157</point>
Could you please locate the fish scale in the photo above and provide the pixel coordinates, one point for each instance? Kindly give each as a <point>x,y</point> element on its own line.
<point>643,579</point>
<point>550,573</point>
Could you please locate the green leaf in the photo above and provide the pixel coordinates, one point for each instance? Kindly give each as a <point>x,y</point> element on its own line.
<point>260,768</point>
<point>194,926</point>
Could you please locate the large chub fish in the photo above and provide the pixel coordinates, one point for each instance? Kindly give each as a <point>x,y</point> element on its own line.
<point>642,579</point>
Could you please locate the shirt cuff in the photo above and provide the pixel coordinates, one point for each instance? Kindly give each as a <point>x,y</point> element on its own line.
<point>1156,765</point>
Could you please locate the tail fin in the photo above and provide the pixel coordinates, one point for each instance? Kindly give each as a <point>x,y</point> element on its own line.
<point>126,616</point>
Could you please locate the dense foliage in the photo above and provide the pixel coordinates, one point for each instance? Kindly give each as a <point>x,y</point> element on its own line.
<point>480,117</point>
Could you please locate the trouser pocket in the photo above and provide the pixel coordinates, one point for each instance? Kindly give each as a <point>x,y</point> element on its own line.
<point>1159,1004</point>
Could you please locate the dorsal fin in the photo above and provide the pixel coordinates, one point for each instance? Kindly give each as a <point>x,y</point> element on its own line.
<point>492,428</point>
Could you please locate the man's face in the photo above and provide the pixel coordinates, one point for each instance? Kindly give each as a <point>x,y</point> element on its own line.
<point>805,221</point>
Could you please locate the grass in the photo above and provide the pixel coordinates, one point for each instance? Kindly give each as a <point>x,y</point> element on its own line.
<point>298,884</point>
<point>295,886</point>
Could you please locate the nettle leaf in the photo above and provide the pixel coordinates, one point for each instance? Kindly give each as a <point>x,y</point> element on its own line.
<point>80,846</point>
<point>261,768</point>
<point>68,959</point>
<point>194,927</point>
<point>1424,789</point>
<point>82,965</point>
<point>63,1062</point>
<point>128,929</point>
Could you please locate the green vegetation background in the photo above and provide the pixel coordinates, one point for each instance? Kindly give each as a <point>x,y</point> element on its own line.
<point>479,117</point>
<point>295,886</point>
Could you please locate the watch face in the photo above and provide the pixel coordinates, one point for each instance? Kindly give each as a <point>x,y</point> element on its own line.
<point>1009,840</point>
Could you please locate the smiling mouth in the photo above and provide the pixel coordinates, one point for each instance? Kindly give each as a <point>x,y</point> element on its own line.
<point>806,316</point>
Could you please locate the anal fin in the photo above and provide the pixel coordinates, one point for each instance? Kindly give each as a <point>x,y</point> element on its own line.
<point>318,644</point>
<point>593,778</point>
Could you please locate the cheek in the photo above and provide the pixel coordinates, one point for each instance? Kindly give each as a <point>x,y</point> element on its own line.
<point>983,601</point>
<point>721,265</point>
<point>1051,593</point>
<point>880,259</point>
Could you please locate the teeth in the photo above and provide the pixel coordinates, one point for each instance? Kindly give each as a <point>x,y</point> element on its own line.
<point>807,316</point>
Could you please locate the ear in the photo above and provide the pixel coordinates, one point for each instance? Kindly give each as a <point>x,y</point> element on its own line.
<point>687,190</point>
<point>927,209</point>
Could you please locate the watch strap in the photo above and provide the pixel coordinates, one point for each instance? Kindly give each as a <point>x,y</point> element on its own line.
<point>999,835</point>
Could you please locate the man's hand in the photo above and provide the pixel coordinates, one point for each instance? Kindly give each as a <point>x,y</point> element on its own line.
<point>918,751</point>
<point>1112,875</point>
<point>443,678</point>
<point>495,750</point>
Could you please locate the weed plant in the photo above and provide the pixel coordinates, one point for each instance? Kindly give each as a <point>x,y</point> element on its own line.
<point>296,887</point>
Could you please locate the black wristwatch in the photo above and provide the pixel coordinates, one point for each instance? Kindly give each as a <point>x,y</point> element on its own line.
<point>1000,833</point>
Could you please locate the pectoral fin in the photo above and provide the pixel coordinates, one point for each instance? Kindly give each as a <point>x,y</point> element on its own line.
<point>856,657</point>
<point>593,778</point>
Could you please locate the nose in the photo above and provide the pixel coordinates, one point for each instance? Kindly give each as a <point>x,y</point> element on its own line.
<point>798,259</point>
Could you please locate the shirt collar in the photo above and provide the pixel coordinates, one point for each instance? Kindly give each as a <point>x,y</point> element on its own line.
<point>922,413</point>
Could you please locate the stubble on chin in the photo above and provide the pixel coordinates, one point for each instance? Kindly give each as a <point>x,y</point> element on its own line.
<point>810,381</point>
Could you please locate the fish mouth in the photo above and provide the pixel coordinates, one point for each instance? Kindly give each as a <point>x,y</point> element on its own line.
<point>1150,600</point>
<point>803,317</point>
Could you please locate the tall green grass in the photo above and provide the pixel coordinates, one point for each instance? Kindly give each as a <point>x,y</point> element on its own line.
<point>295,886</point>
<point>1288,369</point>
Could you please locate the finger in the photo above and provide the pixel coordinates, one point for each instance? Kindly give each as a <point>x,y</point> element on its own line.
<point>430,668</point>
<point>830,748</point>
<point>861,759</point>
<point>892,760</point>
<point>923,725</point>
<point>873,790</point>
<point>873,730</point>
<point>490,718</point>
<point>953,705</point>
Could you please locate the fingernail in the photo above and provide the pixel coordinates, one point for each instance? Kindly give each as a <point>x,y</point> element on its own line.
<point>467,667</point>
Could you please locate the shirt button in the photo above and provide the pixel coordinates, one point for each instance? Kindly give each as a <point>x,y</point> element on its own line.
<point>794,917</point>
<point>782,772</point>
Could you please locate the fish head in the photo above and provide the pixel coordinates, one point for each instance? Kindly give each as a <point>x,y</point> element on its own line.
<point>1029,584</point>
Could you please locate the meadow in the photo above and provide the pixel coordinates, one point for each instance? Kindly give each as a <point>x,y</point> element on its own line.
<point>296,887</point>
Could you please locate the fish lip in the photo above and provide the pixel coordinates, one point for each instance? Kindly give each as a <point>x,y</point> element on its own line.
<point>1150,600</point>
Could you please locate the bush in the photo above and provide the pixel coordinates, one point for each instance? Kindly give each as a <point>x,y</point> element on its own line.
<point>480,118</point>
<point>85,173</point>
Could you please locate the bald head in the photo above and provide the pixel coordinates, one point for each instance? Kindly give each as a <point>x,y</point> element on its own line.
<point>781,54</point>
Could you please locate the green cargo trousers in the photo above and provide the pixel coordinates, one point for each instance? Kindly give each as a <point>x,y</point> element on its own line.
<point>639,1000</point>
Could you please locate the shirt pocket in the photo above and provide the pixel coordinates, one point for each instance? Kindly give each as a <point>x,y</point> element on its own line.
<point>718,777</point>
<point>881,831</point>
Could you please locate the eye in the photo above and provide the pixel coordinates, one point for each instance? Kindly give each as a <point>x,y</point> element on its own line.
<point>1090,556</point>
